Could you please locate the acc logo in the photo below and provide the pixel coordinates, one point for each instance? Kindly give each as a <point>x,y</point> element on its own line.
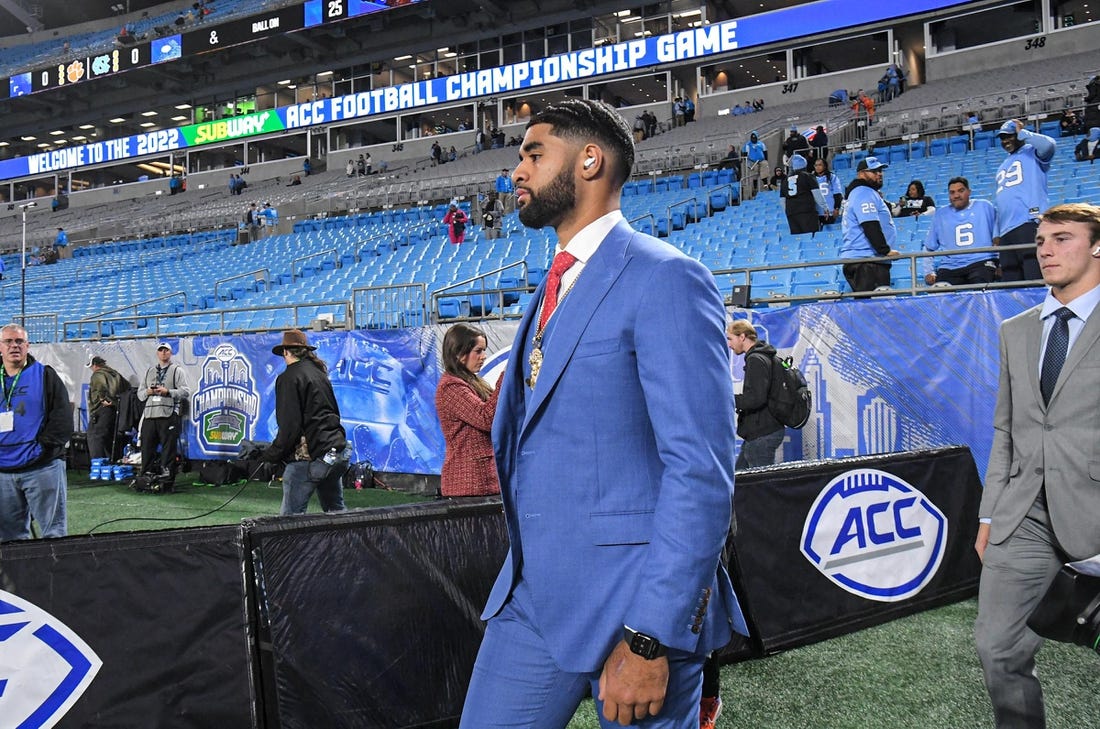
<point>225,406</point>
<point>875,535</point>
<point>495,365</point>
<point>44,666</point>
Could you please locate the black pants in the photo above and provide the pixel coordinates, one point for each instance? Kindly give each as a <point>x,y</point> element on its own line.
<point>867,276</point>
<point>982,272</point>
<point>1020,265</point>
<point>162,432</point>
<point>101,432</point>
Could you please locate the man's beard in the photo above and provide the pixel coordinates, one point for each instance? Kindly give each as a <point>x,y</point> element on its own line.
<point>549,205</point>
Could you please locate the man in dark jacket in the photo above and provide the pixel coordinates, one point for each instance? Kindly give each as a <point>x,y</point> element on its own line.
<point>794,144</point>
<point>760,432</point>
<point>311,440</point>
<point>35,424</point>
<point>103,389</point>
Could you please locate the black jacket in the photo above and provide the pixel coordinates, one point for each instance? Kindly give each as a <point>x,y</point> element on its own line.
<point>754,420</point>
<point>305,405</point>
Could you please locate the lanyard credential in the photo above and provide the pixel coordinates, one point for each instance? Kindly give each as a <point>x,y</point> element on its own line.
<point>8,394</point>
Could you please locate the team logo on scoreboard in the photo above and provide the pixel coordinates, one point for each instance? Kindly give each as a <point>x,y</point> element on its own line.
<point>225,406</point>
<point>44,666</point>
<point>875,535</point>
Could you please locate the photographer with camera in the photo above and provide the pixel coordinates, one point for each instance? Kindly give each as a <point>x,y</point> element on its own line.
<point>163,390</point>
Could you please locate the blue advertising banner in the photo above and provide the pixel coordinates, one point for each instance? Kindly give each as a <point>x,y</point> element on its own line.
<point>384,383</point>
<point>898,375</point>
<point>887,375</point>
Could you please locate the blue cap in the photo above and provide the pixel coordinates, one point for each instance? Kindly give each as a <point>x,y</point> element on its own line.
<point>1008,129</point>
<point>1094,134</point>
<point>798,162</point>
<point>871,163</point>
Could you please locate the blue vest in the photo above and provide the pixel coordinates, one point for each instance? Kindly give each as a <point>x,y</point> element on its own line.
<point>19,446</point>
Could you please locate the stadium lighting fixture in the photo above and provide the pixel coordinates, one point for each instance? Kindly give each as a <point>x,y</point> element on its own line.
<point>181,107</point>
<point>285,82</point>
<point>57,132</point>
<point>29,138</point>
<point>43,144</point>
<point>4,144</point>
<point>116,120</point>
<point>181,117</point>
<point>147,124</point>
<point>79,137</point>
<point>325,73</point>
<point>402,58</point>
<point>87,126</point>
<point>148,113</point>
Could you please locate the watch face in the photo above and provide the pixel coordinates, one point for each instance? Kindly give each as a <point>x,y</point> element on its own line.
<point>644,645</point>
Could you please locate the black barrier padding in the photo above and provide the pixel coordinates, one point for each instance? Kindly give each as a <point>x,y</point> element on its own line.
<point>374,616</point>
<point>790,603</point>
<point>165,613</point>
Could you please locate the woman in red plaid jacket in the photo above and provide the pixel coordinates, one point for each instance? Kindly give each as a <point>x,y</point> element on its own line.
<point>466,404</point>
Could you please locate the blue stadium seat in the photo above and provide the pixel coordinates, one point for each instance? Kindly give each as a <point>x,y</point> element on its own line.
<point>959,144</point>
<point>1051,128</point>
<point>985,140</point>
<point>937,148</point>
<point>694,180</point>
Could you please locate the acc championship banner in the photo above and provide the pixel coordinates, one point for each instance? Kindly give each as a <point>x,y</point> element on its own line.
<point>831,548</point>
<point>581,65</point>
<point>895,375</point>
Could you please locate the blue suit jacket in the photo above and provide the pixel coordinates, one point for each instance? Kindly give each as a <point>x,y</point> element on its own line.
<point>617,471</point>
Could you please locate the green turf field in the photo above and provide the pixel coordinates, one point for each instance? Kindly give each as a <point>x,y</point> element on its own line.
<point>110,506</point>
<point>919,672</point>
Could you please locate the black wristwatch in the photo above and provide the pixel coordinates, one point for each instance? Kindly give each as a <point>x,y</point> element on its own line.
<point>643,645</point>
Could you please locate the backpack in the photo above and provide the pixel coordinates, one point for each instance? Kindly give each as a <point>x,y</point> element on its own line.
<point>459,222</point>
<point>789,398</point>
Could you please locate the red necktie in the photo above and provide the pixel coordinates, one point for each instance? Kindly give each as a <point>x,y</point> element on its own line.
<point>562,262</point>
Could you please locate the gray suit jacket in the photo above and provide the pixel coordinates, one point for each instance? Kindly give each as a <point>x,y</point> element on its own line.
<point>1056,444</point>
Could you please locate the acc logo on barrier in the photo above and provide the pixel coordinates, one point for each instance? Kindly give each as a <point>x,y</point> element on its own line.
<point>875,535</point>
<point>44,666</point>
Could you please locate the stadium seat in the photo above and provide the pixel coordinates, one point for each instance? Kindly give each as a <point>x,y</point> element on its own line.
<point>694,180</point>
<point>937,148</point>
<point>1051,128</point>
<point>959,144</point>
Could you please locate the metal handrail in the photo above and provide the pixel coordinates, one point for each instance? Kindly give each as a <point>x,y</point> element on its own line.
<point>133,306</point>
<point>482,291</point>
<point>266,280</point>
<point>913,289</point>
<point>318,254</point>
<point>729,198</point>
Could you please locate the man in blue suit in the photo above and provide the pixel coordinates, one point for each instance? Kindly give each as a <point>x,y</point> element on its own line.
<point>614,441</point>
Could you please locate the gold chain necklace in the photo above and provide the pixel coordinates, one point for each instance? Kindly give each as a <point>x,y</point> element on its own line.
<point>535,358</point>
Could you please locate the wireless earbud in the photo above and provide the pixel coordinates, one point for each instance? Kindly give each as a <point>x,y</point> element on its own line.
<point>589,162</point>
<point>1096,252</point>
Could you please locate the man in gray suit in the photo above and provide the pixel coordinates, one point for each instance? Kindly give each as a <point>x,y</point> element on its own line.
<point>1041,504</point>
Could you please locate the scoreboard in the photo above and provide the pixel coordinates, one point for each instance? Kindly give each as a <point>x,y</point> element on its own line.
<point>202,39</point>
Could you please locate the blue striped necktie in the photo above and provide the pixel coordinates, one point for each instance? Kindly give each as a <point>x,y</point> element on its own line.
<point>1055,355</point>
